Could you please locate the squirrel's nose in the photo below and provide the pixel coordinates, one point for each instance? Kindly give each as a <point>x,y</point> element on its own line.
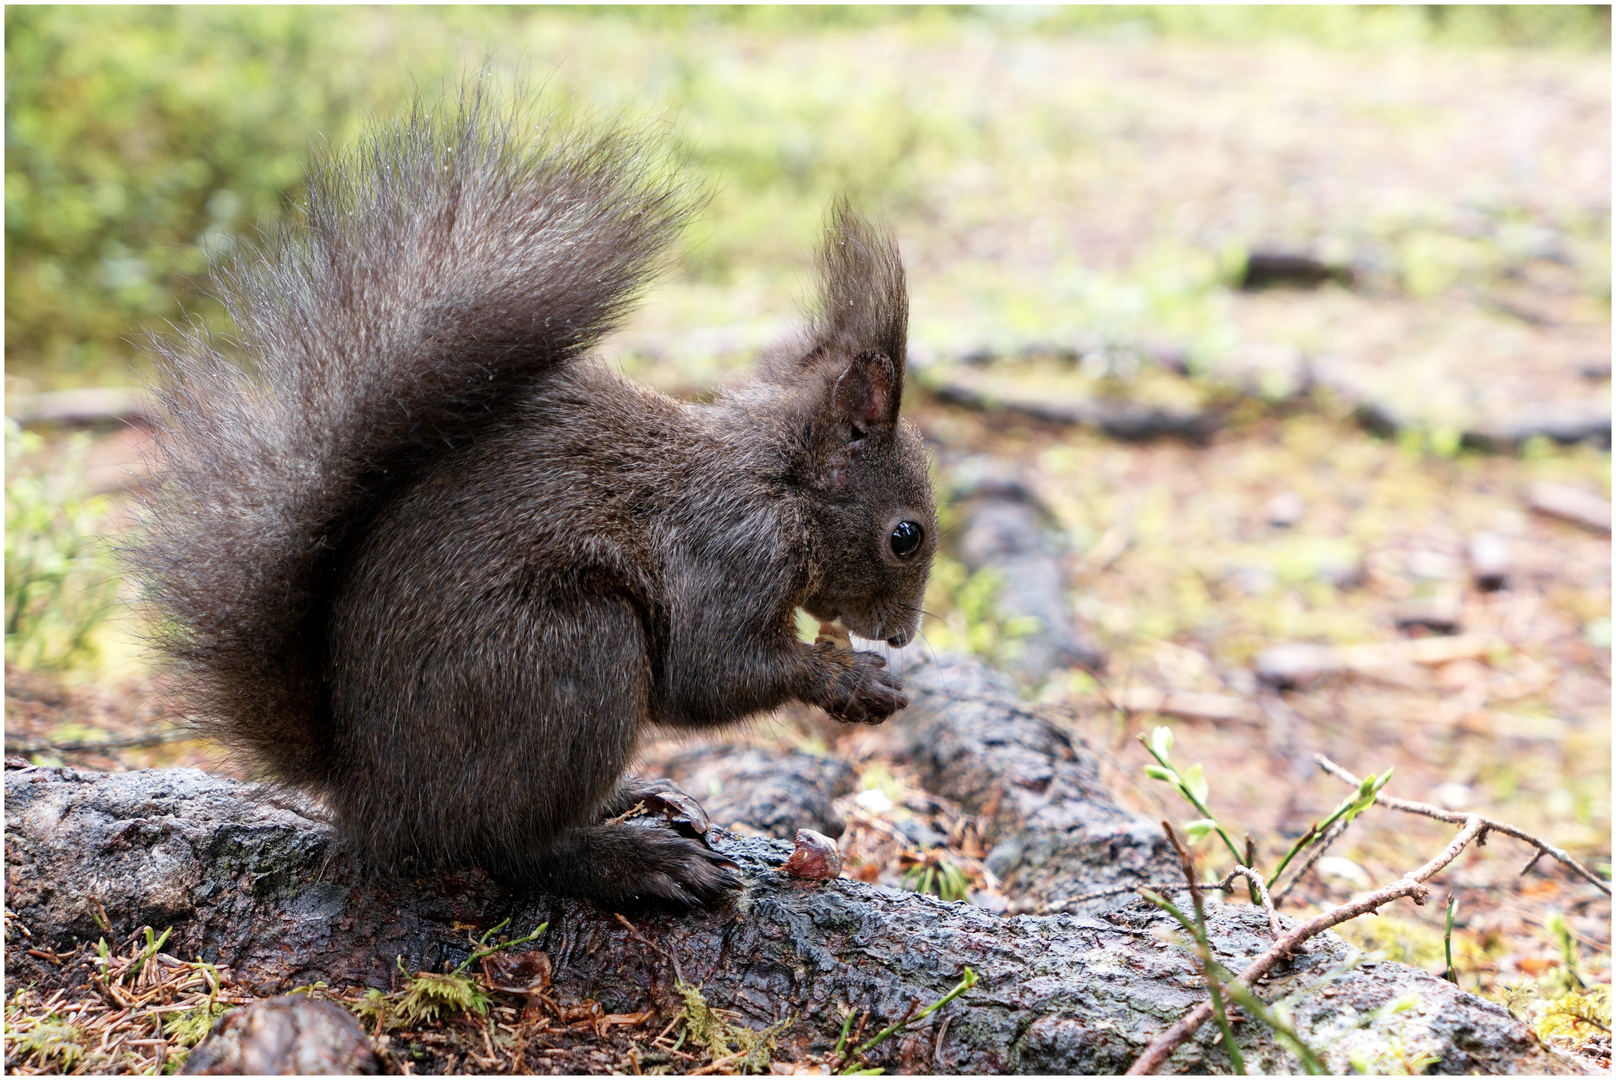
<point>900,639</point>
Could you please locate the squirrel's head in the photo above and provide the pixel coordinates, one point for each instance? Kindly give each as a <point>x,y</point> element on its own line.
<point>870,508</point>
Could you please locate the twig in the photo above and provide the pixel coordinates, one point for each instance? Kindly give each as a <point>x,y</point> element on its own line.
<point>673,961</point>
<point>1454,817</point>
<point>716,1064</point>
<point>1314,855</point>
<point>1262,893</point>
<point>1226,885</point>
<point>127,742</point>
<point>1410,885</point>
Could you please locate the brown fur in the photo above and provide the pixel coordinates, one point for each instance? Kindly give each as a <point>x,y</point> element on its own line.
<point>427,560</point>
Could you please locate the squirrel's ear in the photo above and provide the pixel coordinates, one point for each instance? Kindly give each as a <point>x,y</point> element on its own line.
<point>865,396</point>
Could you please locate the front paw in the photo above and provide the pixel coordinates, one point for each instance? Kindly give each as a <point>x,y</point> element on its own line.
<point>856,688</point>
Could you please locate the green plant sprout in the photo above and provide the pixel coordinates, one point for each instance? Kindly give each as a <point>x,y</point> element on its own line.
<point>938,877</point>
<point>1192,785</point>
<point>153,944</point>
<point>1219,978</point>
<point>1350,807</point>
<point>886,1033</point>
<point>1203,947</point>
<point>480,952</point>
<point>1447,940</point>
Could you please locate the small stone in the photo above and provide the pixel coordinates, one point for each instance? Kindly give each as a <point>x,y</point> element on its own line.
<point>1438,614</point>
<point>1294,665</point>
<point>292,1035</point>
<point>1334,867</point>
<point>1284,510</point>
<point>1432,565</point>
<point>874,800</point>
<point>1489,561</point>
<point>816,857</point>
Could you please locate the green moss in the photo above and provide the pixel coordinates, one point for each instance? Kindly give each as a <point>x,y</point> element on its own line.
<point>191,1026</point>
<point>52,1043</point>
<point>430,996</point>
<point>707,1028</point>
<point>1575,1019</point>
<point>1416,943</point>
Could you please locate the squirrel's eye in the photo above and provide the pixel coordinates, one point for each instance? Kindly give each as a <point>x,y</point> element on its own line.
<point>906,538</point>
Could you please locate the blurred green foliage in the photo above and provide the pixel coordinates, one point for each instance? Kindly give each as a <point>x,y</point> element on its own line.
<point>60,583</point>
<point>963,613</point>
<point>140,142</point>
<point>143,142</point>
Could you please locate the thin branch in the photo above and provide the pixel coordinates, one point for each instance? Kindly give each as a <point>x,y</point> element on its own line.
<point>1226,885</point>
<point>1410,885</point>
<point>1262,893</point>
<point>127,742</point>
<point>1454,817</point>
<point>1314,855</point>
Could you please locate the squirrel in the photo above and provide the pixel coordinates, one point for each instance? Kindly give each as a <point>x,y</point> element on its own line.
<point>415,551</point>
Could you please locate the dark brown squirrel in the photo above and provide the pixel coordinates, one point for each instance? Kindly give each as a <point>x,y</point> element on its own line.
<point>416,553</point>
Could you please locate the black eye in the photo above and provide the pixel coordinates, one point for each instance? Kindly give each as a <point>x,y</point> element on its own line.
<point>906,538</point>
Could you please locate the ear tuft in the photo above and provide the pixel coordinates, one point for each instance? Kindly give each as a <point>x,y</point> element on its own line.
<point>863,297</point>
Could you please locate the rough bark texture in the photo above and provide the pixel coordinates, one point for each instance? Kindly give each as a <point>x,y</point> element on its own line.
<point>1057,832</point>
<point>775,792</point>
<point>267,892</point>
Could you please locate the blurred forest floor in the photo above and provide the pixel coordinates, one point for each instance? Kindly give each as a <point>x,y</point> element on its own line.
<point>1078,216</point>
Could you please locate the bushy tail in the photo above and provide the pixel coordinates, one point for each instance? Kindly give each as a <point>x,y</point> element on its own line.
<point>439,272</point>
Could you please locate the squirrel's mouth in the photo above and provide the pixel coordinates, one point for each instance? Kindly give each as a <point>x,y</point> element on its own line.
<point>870,625</point>
<point>878,629</point>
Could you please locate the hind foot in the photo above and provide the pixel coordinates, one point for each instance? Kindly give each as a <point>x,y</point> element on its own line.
<point>626,862</point>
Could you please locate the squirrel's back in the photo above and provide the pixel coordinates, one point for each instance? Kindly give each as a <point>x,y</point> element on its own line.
<point>439,274</point>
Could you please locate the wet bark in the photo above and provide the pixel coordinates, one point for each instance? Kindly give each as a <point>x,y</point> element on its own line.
<point>268,892</point>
